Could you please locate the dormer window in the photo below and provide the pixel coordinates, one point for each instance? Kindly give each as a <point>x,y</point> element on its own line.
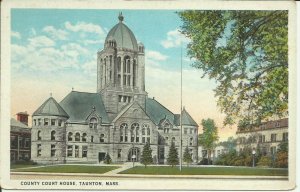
<point>93,123</point>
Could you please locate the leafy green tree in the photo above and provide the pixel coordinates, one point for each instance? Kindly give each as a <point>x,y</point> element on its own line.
<point>282,155</point>
<point>246,53</point>
<point>173,156</point>
<point>146,157</point>
<point>209,137</point>
<point>107,159</point>
<point>187,157</point>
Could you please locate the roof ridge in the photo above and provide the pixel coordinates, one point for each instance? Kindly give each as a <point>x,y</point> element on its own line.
<point>162,105</point>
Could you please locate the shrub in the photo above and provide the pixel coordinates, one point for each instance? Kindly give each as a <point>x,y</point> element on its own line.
<point>204,161</point>
<point>265,161</point>
<point>107,159</point>
<point>281,159</point>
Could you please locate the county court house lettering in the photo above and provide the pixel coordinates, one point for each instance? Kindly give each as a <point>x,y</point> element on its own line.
<point>117,120</point>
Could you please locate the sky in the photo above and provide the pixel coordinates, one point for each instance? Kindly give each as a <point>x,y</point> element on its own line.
<point>54,50</point>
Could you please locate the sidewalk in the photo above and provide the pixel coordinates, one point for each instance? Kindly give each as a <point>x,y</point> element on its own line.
<point>124,167</point>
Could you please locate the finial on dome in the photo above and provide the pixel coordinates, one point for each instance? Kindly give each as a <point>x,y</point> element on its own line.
<point>121,17</point>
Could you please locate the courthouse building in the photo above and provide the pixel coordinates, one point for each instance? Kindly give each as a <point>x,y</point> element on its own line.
<point>117,120</point>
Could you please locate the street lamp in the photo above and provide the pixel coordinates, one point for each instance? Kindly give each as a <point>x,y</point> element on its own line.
<point>133,159</point>
<point>253,156</point>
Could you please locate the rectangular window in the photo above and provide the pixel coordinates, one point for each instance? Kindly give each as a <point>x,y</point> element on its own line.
<point>120,98</point>
<point>92,139</point>
<point>34,122</point>
<point>185,131</point>
<point>121,138</point>
<point>21,142</point>
<point>137,139</point>
<point>273,150</point>
<point>39,150</point>
<point>60,122</point>
<point>84,151</point>
<point>76,151</point>
<point>102,138</point>
<point>13,142</point>
<point>46,122</point>
<point>119,153</point>
<point>143,139</point>
<point>70,151</point>
<point>285,136</point>
<point>39,122</point>
<point>191,131</point>
<point>52,150</point>
<point>273,137</point>
<point>52,122</point>
<point>27,142</point>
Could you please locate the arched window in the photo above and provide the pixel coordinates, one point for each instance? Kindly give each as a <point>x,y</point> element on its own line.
<point>146,133</point>
<point>102,138</point>
<point>70,136</point>
<point>84,137</point>
<point>173,140</point>
<point>126,134</point>
<point>166,127</point>
<point>39,135</point>
<point>93,122</point>
<point>134,132</point>
<point>137,138</point>
<point>52,135</point>
<point>123,129</point>
<point>191,141</point>
<point>77,137</point>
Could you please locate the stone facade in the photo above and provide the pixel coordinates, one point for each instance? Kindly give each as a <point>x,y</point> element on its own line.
<point>117,120</point>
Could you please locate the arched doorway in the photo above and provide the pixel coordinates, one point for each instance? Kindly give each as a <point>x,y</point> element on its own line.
<point>136,152</point>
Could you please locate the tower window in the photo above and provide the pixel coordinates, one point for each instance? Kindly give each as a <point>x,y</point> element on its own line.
<point>52,135</point>
<point>39,150</point>
<point>39,135</point>
<point>70,136</point>
<point>46,122</point>
<point>52,122</point>
<point>77,137</point>
<point>53,150</point>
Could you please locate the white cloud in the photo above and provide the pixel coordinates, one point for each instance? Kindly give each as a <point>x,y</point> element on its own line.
<point>84,27</point>
<point>56,33</point>
<point>174,39</point>
<point>41,41</point>
<point>155,55</point>
<point>16,34</point>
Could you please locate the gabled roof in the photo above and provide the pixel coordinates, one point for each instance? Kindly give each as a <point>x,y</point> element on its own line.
<point>16,123</point>
<point>187,119</point>
<point>50,108</point>
<point>157,111</point>
<point>80,104</point>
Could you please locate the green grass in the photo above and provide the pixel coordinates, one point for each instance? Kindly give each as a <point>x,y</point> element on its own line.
<point>165,170</point>
<point>17,166</point>
<point>70,169</point>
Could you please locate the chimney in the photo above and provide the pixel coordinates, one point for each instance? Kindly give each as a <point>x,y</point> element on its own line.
<point>23,117</point>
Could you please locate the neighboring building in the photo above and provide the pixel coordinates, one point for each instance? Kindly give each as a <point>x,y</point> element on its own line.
<point>118,119</point>
<point>265,137</point>
<point>218,150</point>
<point>20,136</point>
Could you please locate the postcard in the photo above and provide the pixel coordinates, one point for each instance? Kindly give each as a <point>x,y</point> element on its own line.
<point>142,95</point>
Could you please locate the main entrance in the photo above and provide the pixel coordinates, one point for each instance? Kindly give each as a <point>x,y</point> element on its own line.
<point>101,156</point>
<point>134,154</point>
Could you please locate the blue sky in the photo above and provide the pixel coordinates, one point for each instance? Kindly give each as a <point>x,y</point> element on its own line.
<point>54,50</point>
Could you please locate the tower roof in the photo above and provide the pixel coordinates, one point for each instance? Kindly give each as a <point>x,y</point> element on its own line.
<point>50,108</point>
<point>187,119</point>
<point>123,36</point>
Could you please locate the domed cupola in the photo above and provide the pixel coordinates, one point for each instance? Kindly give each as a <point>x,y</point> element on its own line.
<point>122,35</point>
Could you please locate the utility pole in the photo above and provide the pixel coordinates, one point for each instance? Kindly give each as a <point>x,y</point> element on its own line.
<point>180,160</point>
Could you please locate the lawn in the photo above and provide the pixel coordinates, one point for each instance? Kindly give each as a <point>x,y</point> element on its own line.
<point>70,169</point>
<point>166,170</point>
<point>17,166</point>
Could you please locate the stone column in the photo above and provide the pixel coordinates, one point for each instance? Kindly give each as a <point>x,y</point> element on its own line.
<point>131,72</point>
<point>113,69</point>
<point>121,73</point>
<point>103,72</point>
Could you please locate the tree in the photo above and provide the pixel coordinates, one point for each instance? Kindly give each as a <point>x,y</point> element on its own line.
<point>146,158</point>
<point>107,159</point>
<point>209,136</point>
<point>282,155</point>
<point>246,53</point>
<point>173,155</point>
<point>187,157</point>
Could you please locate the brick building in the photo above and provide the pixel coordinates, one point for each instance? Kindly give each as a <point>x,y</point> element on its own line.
<point>20,138</point>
